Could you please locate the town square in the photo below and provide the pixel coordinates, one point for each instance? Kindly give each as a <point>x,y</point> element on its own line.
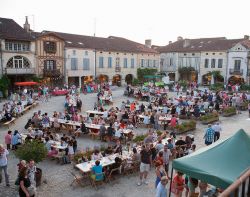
<point>86,114</point>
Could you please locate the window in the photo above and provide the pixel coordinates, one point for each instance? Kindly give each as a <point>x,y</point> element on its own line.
<point>125,63</point>
<point>132,62</point>
<point>154,63</point>
<point>206,53</point>
<point>117,62</point>
<point>213,53</point>
<point>206,63</point>
<point>184,54</point>
<point>150,63</point>
<point>49,65</point>
<point>85,63</point>
<point>86,53</point>
<point>237,64</point>
<point>220,62</point>
<point>73,63</point>
<point>100,62</point>
<point>18,62</point>
<point>193,54</point>
<point>14,46</point>
<point>50,47</point>
<point>74,52</point>
<point>213,63</point>
<point>171,62</point>
<point>109,62</point>
<point>147,62</point>
<point>142,62</point>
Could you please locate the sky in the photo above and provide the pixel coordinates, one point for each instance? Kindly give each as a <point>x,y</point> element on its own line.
<point>159,20</point>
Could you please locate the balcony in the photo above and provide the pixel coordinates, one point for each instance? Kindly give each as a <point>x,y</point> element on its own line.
<point>117,69</point>
<point>233,71</point>
<point>51,73</point>
<point>19,71</point>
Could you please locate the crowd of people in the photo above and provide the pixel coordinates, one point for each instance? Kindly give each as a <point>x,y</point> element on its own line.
<point>156,150</point>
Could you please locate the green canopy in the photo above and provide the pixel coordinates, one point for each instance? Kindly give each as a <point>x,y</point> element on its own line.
<point>159,83</point>
<point>219,164</point>
<point>152,76</point>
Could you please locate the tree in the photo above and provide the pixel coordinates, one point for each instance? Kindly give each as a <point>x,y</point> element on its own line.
<point>33,150</point>
<point>141,72</point>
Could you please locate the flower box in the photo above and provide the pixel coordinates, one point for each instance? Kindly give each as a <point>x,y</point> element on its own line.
<point>209,118</point>
<point>186,126</point>
<point>230,111</point>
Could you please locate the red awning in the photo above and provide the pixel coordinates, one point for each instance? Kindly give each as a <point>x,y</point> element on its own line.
<point>26,83</point>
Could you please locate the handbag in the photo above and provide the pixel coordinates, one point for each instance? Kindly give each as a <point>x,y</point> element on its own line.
<point>32,190</point>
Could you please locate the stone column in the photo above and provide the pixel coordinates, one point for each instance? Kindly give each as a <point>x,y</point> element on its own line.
<point>80,82</point>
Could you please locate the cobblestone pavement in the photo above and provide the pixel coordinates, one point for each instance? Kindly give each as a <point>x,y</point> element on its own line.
<point>58,177</point>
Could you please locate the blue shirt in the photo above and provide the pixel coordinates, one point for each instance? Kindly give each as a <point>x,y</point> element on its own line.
<point>15,139</point>
<point>209,136</point>
<point>97,170</point>
<point>161,190</point>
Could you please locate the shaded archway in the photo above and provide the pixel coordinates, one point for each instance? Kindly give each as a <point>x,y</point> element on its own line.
<point>206,79</point>
<point>117,80</point>
<point>129,78</point>
<point>171,76</point>
<point>103,78</point>
<point>236,79</point>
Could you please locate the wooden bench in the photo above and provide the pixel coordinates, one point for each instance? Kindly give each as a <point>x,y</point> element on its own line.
<point>9,122</point>
<point>34,104</point>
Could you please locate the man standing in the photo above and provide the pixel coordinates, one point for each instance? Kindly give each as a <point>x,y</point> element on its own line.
<point>217,129</point>
<point>3,164</point>
<point>209,135</point>
<point>161,190</point>
<point>166,158</point>
<point>146,161</point>
<point>102,132</point>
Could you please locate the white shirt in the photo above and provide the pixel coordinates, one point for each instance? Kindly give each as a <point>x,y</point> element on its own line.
<point>118,133</point>
<point>216,128</point>
<point>3,158</point>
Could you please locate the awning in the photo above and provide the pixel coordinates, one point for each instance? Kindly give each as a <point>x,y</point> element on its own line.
<point>26,83</point>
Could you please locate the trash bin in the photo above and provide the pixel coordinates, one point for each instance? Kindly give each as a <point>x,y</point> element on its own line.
<point>38,176</point>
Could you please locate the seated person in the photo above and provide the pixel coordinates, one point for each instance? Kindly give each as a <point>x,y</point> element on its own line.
<point>118,147</point>
<point>118,133</point>
<point>53,152</point>
<point>136,156</point>
<point>7,116</point>
<point>97,170</point>
<point>96,155</point>
<point>109,150</point>
<point>28,138</point>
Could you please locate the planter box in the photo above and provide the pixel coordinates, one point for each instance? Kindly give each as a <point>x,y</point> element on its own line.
<point>229,114</point>
<point>185,130</point>
<point>211,120</point>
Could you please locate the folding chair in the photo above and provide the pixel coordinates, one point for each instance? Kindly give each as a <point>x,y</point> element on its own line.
<point>95,182</point>
<point>78,179</point>
<point>110,176</point>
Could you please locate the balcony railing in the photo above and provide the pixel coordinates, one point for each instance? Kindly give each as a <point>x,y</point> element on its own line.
<point>117,69</point>
<point>233,71</point>
<point>240,188</point>
<point>20,71</point>
<point>51,73</point>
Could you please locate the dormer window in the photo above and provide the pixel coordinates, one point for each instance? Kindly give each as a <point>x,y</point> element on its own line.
<point>50,47</point>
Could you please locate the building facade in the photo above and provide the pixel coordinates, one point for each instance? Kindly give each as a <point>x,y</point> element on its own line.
<point>238,62</point>
<point>17,51</point>
<point>50,58</point>
<point>204,56</point>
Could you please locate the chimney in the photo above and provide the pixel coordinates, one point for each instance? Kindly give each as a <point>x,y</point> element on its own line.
<point>170,42</point>
<point>246,37</point>
<point>179,38</point>
<point>148,43</point>
<point>26,26</point>
<point>186,43</point>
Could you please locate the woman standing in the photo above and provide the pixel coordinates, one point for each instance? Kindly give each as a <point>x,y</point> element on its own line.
<point>178,184</point>
<point>160,172</point>
<point>24,183</point>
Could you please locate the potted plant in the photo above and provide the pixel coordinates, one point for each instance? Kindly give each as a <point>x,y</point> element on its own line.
<point>209,118</point>
<point>229,111</point>
<point>186,126</point>
<point>33,150</point>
